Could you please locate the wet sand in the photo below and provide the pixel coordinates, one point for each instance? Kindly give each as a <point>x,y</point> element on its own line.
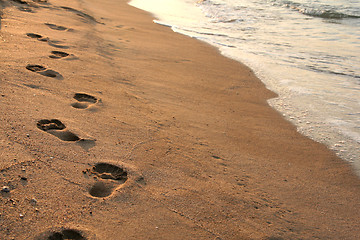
<point>113,127</point>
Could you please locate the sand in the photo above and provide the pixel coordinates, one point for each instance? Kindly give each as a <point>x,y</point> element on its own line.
<point>113,127</point>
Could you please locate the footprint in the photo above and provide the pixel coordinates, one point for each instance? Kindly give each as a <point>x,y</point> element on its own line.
<point>41,1</point>
<point>108,177</point>
<point>52,43</point>
<point>26,9</point>
<point>62,234</point>
<point>85,16</point>
<point>37,36</point>
<point>43,71</point>
<point>58,54</point>
<point>84,100</point>
<point>20,2</point>
<point>56,27</point>
<point>57,128</point>
<point>33,86</point>
<point>23,6</point>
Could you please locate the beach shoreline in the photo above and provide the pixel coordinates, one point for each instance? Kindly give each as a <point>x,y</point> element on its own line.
<point>115,126</point>
<point>322,104</point>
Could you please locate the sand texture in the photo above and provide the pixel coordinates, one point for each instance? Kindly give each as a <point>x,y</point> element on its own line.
<point>113,127</point>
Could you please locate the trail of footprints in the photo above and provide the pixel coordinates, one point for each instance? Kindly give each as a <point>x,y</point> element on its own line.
<point>106,177</point>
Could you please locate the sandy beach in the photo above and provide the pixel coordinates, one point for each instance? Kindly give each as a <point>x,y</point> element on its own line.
<point>114,127</point>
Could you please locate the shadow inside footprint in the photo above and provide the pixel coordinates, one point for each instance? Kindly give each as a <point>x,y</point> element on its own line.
<point>108,177</point>
<point>62,235</point>
<point>84,100</point>
<point>109,171</point>
<point>33,35</point>
<point>56,128</point>
<point>41,1</point>
<point>43,71</point>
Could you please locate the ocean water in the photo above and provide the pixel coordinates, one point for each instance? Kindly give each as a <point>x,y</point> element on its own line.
<point>306,51</point>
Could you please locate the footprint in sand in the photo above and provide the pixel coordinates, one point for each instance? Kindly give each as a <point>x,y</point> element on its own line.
<point>37,36</point>
<point>57,128</point>
<point>52,43</point>
<point>62,234</point>
<point>41,1</point>
<point>43,71</point>
<point>56,27</point>
<point>108,178</point>
<point>86,17</point>
<point>84,100</point>
<point>26,9</point>
<point>23,6</point>
<point>59,54</point>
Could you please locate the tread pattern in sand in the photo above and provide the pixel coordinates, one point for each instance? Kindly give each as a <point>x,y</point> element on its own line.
<point>108,178</point>
<point>84,100</point>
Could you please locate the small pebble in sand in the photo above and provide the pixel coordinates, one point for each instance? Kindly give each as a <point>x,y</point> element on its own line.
<point>33,201</point>
<point>5,189</point>
<point>21,215</point>
<point>28,135</point>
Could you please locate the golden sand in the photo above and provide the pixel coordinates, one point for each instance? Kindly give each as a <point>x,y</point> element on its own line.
<point>113,127</point>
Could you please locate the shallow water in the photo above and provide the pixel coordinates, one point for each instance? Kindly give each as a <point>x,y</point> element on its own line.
<point>306,51</point>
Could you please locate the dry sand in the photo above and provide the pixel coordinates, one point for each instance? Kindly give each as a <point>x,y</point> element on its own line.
<point>187,144</point>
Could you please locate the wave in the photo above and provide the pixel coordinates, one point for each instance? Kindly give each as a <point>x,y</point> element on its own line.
<point>318,11</point>
<point>317,69</point>
<point>329,14</point>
